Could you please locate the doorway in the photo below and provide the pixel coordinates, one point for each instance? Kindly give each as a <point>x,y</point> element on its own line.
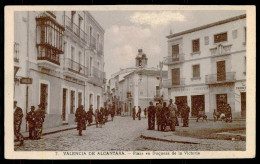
<point>64,103</point>
<point>44,95</point>
<point>197,104</point>
<point>221,99</point>
<point>72,102</point>
<point>180,100</point>
<point>221,71</point>
<point>243,104</point>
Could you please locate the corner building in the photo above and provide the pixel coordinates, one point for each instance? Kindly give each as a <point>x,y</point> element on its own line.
<point>62,52</point>
<point>207,66</point>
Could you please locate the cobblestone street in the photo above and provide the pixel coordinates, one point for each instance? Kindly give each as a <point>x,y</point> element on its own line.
<point>122,134</point>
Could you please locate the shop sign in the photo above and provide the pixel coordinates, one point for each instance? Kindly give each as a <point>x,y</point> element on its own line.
<point>26,80</point>
<point>241,87</point>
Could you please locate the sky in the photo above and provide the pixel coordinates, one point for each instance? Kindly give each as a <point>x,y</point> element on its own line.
<point>128,31</point>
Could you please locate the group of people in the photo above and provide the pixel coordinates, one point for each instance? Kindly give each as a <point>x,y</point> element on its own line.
<point>137,114</point>
<point>167,116</point>
<point>101,117</point>
<point>224,113</point>
<point>35,119</point>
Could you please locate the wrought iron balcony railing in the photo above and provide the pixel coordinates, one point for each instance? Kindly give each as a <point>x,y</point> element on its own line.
<point>169,83</point>
<point>16,52</point>
<point>48,54</point>
<point>75,67</point>
<point>72,27</point>
<point>96,76</point>
<point>178,58</point>
<point>227,77</point>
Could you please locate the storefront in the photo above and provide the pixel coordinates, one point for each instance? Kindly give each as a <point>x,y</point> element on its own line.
<point>240,99</point>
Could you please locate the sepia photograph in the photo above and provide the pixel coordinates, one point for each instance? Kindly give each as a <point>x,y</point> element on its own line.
<point>134,82</point>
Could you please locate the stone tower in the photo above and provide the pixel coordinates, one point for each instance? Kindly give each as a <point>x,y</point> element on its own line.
<point>141,59</point>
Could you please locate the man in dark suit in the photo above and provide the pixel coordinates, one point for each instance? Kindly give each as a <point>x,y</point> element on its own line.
<point>18,116</point>
<point>151,116</point>
<point>134,113</point>
<point>30,117</point>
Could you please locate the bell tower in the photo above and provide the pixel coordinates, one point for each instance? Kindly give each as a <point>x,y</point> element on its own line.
<point>141,59</point>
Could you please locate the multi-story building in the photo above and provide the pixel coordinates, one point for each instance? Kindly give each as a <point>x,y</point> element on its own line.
<point>207,66</point>
<point>137,86</point>
<point>62,52</point>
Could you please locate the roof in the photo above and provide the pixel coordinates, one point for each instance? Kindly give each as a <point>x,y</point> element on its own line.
<point>207,26</point>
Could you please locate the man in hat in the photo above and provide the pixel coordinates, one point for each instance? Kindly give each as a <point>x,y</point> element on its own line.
<point>80,116</point>
<point>134,113</point>
<point>90,115</point>
<point>18,116</point>
<point>39,119</point>
<point>186,112</point>
<point>151,116</point>
<point>30,118</point>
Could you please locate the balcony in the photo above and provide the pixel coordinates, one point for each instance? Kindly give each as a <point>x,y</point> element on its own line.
<point>220,50</point>
<point>76,30</point>
<point>47,58</point>
<point>169,83</point>
<point>92,42</point>
<point>74,67</point>
<point>16,52</point>
<point>96,77</point>
<point>179,58</point>
<point>158,95</point>
<point>227,77</point>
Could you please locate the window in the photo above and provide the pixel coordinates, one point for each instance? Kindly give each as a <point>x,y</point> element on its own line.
<point>90,66</point>
<point>206,40</point>
<point>175,50</point>
<point>196,45</point>
<point>234,34</point>
<point>245,34</point>
<point>245,65</point>
<point>79,99</point>
<point>196,70</point>
<point>72,16</point>
<point>220,37</point>
<point>72,53</point>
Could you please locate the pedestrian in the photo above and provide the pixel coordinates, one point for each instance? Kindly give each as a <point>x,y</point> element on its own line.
<point>145,112</point>
<point>106,114</point>
<point>164,116</point>
<point>80,116</point>
<point>186,112</point>
<point>112,114</point>
<point>151,116</point>
<point>90,115</point>
<point>215,115</point>
<point>96,117</point>
<point>102,114</point>
<point>228,113</point>
<point>139,113</point>
<point>158,115</point>
<point>100,118</point>
<point>30,118</point>
<point>18,116</point>
<point>134,113</point>
<point>39,120</point>
<point>175,108</point>
<point>173,115</point>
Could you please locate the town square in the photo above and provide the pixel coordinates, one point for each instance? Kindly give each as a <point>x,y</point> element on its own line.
<point>126,80</point>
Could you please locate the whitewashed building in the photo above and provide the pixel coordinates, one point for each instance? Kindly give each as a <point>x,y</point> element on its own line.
<point>137,86</point>
<point>207,66</point>
<point>62,52</point>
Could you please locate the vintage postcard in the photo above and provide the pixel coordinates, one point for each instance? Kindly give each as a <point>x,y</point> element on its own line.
<point>130,82</point>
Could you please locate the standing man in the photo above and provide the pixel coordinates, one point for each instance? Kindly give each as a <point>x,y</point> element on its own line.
<point>186,112</point>
<point>151,116</point>
<point>139,113</point>
<point>30,117</point>
<point>39,119</point>
<point>80,116</point>
<point>90,115</point>
<point>112,113</point>
<point>134,113</point>
<point>18,116</point>
<point>174,107</point>
<point>164,116</point>
<point>158,115</point>
<point>145,112</point>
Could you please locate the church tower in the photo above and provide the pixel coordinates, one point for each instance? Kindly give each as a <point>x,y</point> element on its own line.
<point>141,59</point>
